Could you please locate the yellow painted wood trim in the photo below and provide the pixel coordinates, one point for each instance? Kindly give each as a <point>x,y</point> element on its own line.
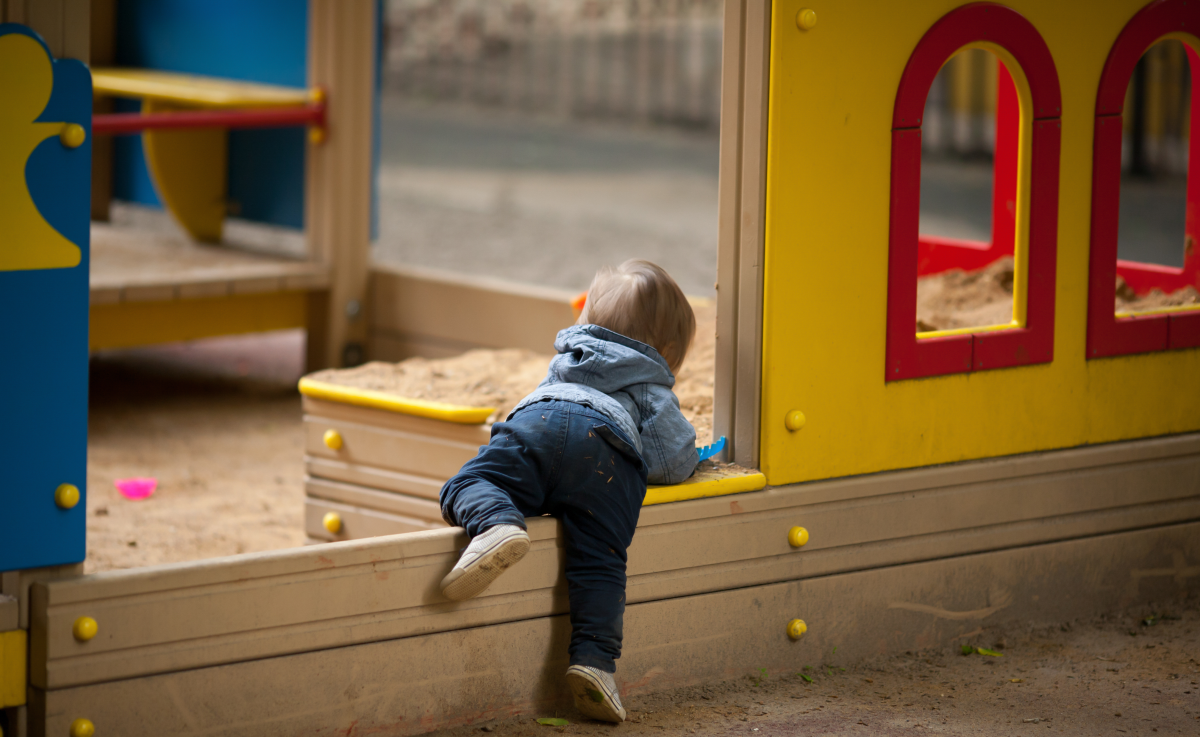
<point>1161,311</point>
<point>704,485</point>
<point>14,655</point>
<point>457,413</point>
<point>197,91</point>
<point>966,331</point>
<point>131,324</point>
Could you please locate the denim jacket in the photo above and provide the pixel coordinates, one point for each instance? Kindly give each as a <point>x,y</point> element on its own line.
<point>629,383</point>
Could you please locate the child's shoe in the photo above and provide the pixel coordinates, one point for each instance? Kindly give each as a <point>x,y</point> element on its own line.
<point>595,693</point>
<point>489,554</point>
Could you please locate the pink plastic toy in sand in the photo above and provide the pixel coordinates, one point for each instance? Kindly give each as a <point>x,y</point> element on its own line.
<point>137,488</point>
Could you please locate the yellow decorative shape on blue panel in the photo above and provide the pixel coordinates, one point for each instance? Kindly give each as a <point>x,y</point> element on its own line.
<point>27,241</point>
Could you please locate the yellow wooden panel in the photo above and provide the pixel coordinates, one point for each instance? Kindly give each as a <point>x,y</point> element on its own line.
<point>189,171</point>
<point>832,95</point>
<point>129,324</point>
<point>193,90</point>
<point>14,657</point>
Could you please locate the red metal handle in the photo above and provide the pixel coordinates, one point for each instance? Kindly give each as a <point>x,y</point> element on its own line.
<point>123,124</point>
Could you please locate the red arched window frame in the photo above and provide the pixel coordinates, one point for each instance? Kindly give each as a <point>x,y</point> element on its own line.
<point>1109,335</point>
<point>907,356</point>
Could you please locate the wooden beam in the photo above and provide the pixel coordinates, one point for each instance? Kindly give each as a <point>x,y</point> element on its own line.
<point>192,615</point>
<point>337,210</point>
<point>432,313</point>
<point>435,680</point>
<point>742,208</point>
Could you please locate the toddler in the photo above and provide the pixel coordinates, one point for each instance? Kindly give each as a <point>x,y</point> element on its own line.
<point>582,448</point>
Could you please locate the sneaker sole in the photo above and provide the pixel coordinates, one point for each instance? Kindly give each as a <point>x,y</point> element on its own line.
<point>590,698</point>
<point>480,574</point>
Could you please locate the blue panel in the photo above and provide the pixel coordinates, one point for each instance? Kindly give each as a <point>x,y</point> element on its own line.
<point>131,178</point>
<point>43,339</point>
<point>254,40</point>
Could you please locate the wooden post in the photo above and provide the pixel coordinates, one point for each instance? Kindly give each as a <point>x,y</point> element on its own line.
<point>741,210</point>
<point>341,61</point>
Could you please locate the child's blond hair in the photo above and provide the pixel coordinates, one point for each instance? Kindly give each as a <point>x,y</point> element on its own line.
<point>641,301</point>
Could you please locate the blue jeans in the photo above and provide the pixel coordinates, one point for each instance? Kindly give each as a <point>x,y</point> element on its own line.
<point>568,461</point>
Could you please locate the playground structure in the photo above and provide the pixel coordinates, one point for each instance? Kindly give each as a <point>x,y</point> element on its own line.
<point>985,474</point>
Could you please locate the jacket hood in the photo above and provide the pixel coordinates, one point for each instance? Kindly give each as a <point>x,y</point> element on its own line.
<point>605,360</point>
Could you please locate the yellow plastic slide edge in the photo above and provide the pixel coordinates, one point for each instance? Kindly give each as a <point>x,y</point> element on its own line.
<point>458,413</point>
<point>704,484</point>
<point>189,89</point>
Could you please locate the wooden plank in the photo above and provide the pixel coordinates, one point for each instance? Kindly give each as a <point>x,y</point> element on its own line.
<point>337,174</point>
<point>77,30</point>
<point>47,18</point>
<point>729,185</point>
<point>129,324</point>
<point>454,678</point>
<point>365,445</point>
<point>751,239</point>
<point>319,411</point>
<point>10,613</point>
<point>374,478</point>
<point>416,306</point>
<point>128,259</point>
<point>346,593</point>
<point>359,522</point>
<point>404,505</point>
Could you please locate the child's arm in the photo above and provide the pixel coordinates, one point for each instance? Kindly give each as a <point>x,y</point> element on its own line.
<point>668,439</point>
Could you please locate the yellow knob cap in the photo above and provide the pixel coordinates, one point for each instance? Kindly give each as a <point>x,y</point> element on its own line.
<point>84,629</point>
<point>797,628</point>
<point>794,420</point>
<point>797,537</point>
<point>72,135</point>
<point>333,440</point>
<point>316,135</point>
<point>332,522</point>
<point>66,496</point>
<point>82,728</point>
<point>806,19</point>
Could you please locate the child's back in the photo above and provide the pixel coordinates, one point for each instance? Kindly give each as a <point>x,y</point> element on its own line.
<point>581,447</point>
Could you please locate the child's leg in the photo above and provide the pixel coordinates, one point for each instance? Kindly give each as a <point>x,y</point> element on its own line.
<point>491,496</point>
<point>504,483</point>
<point>598,500</point>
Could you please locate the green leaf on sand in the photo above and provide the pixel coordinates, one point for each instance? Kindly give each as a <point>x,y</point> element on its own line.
<point>968,650</point>
<point>553,722</point>
<point>805,677</point>
<point>985,651</point>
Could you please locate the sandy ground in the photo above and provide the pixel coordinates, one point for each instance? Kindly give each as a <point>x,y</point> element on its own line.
<point>1112,675</point>
<point>218,424</point>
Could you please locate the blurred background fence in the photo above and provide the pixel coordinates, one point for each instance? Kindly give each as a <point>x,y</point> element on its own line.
<point>638,61</point>
<point>659,62</point>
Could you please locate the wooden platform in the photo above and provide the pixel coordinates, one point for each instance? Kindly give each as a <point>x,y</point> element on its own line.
<point>195,615</point>
<point>151,284</point>
<point>415,684</point>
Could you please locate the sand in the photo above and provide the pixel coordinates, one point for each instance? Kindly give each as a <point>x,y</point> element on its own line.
<point>959,299</point>
<point>501,378</point>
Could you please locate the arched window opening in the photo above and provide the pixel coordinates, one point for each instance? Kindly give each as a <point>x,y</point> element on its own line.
<point>1144,269</point>
<point>965,265</point>
<point>1024,201</point>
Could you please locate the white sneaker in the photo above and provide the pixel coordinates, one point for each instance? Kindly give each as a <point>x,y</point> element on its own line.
<point>595,693</point>
<point>490,553</point>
